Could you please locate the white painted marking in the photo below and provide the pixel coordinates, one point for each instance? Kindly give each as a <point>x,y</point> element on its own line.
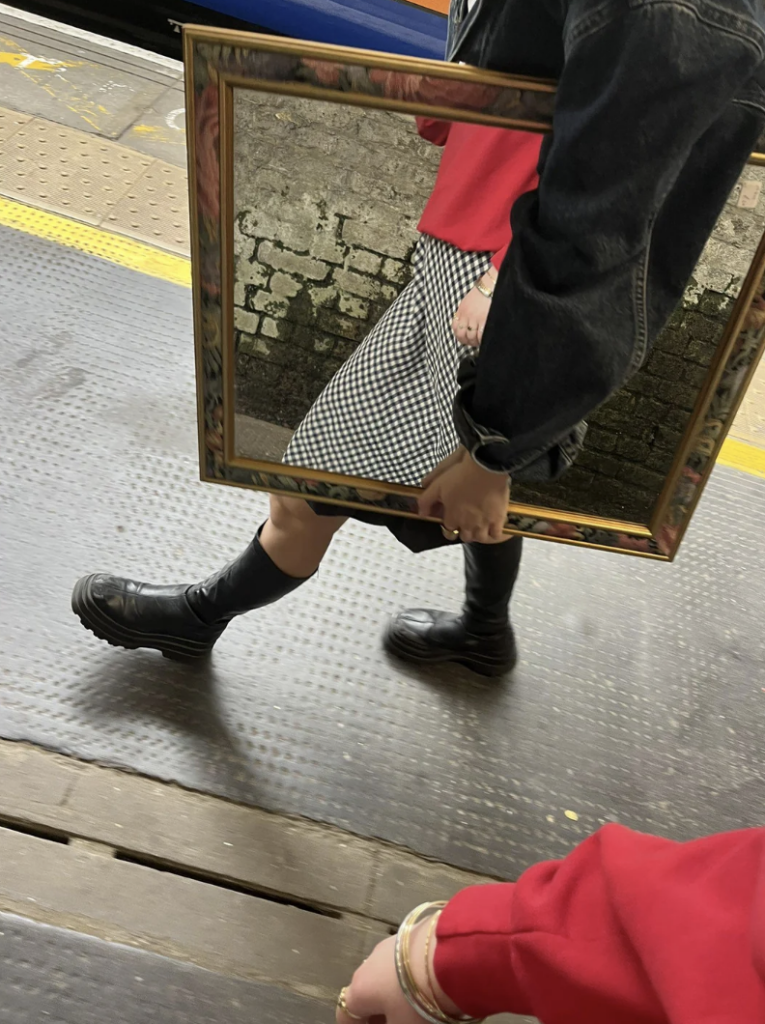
<point>172,119</point>
<point>29,58</point>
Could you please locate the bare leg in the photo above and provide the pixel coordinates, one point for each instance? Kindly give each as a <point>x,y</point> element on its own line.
<point>295,538</point>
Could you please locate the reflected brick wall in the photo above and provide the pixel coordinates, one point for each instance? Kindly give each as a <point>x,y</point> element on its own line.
<point>327,209</point>
<point>328,198</point>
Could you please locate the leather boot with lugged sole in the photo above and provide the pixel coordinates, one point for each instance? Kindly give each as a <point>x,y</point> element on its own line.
<point>481,638</point>
<point>181,621</point>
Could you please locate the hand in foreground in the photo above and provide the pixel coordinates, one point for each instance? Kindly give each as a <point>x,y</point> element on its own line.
<point>470,318</point>
<point>470,501</point>
<point>375,996</point>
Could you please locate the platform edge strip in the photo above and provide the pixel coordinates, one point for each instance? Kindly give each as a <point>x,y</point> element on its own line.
<point>744,456</point>
<point>115,248</point>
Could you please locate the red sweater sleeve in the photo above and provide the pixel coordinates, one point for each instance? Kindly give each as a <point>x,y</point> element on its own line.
<point>434,131</point>
<point>499,256</point>
<point>627,928</point>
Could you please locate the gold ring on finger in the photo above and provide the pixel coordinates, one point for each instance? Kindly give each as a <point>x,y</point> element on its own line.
<point>343,1005</point>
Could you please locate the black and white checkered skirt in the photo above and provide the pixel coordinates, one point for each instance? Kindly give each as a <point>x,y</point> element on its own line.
<point>387,413</point>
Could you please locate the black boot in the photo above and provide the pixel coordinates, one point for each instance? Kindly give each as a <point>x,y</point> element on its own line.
<point>181,621</point>
<point>481,638</point>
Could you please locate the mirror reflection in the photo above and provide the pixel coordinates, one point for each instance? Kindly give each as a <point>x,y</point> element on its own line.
<point>328,199</point>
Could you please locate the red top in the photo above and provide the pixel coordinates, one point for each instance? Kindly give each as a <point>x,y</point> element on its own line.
<point>628,929</point>
<point>482,173</point>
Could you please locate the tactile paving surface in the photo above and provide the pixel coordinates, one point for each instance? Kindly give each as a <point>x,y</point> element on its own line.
<point>10,122</point>
<point>61,977</point>
<point>156,209</point>
<point>68,171</point>
<point>640,695</point>
<point>93,180</point>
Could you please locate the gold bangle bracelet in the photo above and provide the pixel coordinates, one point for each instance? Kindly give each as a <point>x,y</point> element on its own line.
<point>420,997</point>
<point>424,1003</point>
<point>428,942</point>
<point>485,291</point>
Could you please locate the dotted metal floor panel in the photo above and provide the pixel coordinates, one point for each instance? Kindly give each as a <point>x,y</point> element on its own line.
<point>62,977</point>
<point>640,694</point>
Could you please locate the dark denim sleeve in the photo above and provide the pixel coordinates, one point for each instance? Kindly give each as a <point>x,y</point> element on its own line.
<point>573,312</point>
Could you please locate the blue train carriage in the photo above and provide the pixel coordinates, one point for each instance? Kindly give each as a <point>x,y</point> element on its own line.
<point>417,29</point>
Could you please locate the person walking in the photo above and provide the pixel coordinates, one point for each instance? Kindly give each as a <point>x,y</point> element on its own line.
<point>386,415</point>
<point>658,106</point>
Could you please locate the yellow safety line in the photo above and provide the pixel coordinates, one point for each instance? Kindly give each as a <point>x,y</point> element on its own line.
<point>740,455</point>
<point>126,252</point>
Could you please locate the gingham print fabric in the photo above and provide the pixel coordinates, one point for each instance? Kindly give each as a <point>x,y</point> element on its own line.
<point>387,413</point>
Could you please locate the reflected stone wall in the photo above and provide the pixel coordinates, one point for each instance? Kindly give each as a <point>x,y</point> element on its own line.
<point>328,198</point>
<point>327,210</point>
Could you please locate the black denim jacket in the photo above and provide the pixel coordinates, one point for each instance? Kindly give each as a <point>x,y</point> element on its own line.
<point>659,104</point>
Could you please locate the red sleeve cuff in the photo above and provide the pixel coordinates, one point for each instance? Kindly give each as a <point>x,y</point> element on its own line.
<point>473,959</point>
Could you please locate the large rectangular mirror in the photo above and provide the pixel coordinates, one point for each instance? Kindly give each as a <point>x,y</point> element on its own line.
<point>309,178</point>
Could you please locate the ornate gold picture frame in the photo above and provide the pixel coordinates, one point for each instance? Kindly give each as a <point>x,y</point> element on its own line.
<point>220,62</point>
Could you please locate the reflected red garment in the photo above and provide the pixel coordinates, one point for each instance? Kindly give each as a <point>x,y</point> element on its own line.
<point>628,929</point>
<point>482,173</point>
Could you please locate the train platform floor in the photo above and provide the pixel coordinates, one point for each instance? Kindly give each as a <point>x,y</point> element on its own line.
<point>227,842</point>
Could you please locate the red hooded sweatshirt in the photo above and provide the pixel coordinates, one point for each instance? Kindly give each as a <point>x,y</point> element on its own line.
<point>628,929</point>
